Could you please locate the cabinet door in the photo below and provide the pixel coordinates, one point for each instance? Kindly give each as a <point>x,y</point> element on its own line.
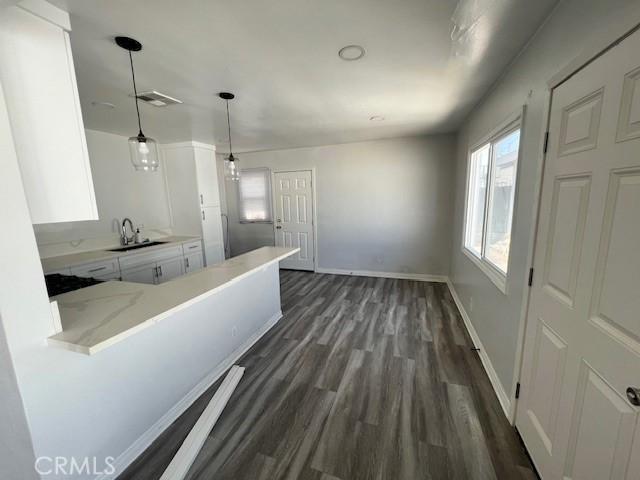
<point>193,262</point>
<point>212,235</point>
<point>207,177</point>
<point>39,83</point>
<point>170,269</point>
<point>142,274</point>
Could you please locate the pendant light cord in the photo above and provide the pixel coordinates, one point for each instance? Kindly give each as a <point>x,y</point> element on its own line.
<point>229,128</point>
<point>135,93</point>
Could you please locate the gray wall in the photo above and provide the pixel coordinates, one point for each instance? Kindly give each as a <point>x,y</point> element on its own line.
<point>383,206</point>
<point>574,24</point>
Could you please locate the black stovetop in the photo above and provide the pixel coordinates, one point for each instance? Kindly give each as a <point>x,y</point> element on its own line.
<point>58,284</point>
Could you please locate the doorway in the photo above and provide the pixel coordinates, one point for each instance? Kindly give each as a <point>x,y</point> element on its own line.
<point>294,225</point>
<point>579,407</point>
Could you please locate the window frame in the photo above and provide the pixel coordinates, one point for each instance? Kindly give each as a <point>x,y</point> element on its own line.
<point>268,196</point>
<point>496,275</point>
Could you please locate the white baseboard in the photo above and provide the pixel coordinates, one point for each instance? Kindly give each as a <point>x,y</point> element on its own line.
<point>147,438</point>
<point>504,399</point>
<point>424,277</point>
<point>188,451</point>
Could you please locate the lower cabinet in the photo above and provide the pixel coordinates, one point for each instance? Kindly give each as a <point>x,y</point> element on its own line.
<point>193,262</point>
<point>155,267</point>
<point>140,274</point>
<point>156,272</point>
<point>169,269</point>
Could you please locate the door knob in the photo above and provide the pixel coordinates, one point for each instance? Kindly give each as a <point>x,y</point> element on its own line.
<point>633,394</point>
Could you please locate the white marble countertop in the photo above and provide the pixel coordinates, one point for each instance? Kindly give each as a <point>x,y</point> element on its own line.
<point>96,317</point>
<point>51,264</point>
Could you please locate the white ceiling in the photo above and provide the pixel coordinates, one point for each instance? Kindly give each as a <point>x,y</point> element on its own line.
<point>428,62</point>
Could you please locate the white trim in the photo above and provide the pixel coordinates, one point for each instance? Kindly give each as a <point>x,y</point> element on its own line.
<point>188,451</point>
<point>533,232</point>
<point>503,398</point>
<point>314,212</point>
<point>424,277</point>
<point>147,438</point>
<point>512,122</point>
<point>48,12</point>
<point>601,41</point>
<point>498,278</point>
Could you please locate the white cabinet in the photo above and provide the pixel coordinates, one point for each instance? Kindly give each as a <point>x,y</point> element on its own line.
<point>193,259</point>
<point>169,269</point>
<point>212,235</point>
<point>192,180</point>
<point>107,269</point>
<point>206,177</point>
<point>145,273</point>
<point>193,262</point>
<point>38,76</point>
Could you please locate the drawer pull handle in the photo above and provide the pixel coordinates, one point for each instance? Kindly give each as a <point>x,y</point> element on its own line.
<point>193,246</point>
<point>97,269</point>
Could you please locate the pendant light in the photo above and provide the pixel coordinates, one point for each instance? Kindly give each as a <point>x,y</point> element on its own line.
<point>143,150</point>
<point>231,163</point>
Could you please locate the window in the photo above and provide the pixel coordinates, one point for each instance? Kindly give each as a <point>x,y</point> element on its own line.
<point>490,200</point>
<point>254,195</point>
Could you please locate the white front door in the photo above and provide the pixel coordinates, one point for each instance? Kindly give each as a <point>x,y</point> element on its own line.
<point>294,217</point>
<point>582,343</point>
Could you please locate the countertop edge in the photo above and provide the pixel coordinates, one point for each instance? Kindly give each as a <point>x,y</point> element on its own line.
<point>118,337</point>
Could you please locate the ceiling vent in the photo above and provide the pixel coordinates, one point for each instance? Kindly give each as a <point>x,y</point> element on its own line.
<point>157,99</point>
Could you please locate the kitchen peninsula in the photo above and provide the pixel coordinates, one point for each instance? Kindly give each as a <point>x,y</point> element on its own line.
<point>96,317</point>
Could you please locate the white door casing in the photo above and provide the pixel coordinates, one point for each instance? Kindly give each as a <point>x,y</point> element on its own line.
<point>582,342</point>
<point>294,210</point>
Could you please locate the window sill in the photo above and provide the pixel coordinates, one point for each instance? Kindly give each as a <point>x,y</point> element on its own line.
<point>498,279</point>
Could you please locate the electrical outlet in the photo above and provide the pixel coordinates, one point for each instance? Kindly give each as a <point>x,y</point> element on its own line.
<point>470,304</point>
<point>234,331</point>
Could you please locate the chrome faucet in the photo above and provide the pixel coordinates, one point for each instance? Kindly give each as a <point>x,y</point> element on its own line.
<point>124,240</point>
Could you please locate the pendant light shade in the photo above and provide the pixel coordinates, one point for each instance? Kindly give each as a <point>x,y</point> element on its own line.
<point>144,153</point>
<point>231,162</point>
<point>142,149</point>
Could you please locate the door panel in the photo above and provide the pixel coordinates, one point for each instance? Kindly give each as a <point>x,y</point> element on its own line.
<point>294,217</point>
<point>193,262</point>
<point>141,274</point>
<point>170,269</point>
<point>601,432</point>
<point>582,342</point>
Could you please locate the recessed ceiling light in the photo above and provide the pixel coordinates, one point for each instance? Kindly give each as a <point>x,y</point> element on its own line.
<point>103,104</point>
<point>376,118</point>
<point>351,53</point>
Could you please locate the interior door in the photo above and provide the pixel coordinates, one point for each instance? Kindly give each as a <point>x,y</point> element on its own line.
<point>582,344</point>
<point>294,217</point>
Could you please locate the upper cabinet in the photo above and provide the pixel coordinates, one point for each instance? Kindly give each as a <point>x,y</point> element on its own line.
<point>192,181</point>
<point>38,76</point>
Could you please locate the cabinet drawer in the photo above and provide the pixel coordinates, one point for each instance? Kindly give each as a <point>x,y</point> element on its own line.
<point>97,269</point>
<point>192,247</point>
<point>155,255</point>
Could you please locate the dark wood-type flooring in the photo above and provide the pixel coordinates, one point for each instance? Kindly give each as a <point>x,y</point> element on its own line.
<point>363,378</point>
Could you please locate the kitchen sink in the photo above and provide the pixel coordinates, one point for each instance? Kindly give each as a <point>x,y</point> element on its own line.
<point>135,246</point>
